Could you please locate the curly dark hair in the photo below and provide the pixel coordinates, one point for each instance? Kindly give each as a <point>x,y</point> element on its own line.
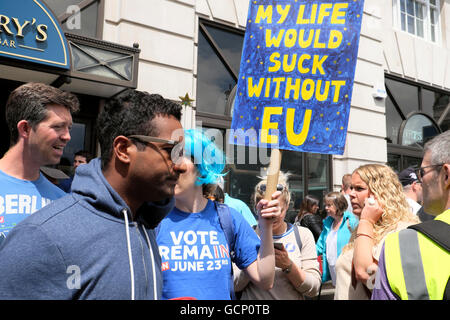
<point>131,113</point>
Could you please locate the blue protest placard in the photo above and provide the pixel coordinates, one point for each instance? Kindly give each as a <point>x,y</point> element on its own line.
<point>296,75</point>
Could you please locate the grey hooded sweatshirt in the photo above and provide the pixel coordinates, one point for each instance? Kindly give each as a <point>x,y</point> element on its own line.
<point>84,246</point>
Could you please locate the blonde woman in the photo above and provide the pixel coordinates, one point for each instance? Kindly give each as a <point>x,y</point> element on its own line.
<point>377,199</point>
<point>296,267</point>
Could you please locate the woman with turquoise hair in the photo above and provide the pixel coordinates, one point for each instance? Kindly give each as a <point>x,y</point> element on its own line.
<point>199,239</point>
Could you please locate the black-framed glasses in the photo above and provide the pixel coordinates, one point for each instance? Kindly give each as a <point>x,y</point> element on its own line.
<point>262,187</point>
<point>176,152</point>
<point>146,139</point>
<point>420,172</point>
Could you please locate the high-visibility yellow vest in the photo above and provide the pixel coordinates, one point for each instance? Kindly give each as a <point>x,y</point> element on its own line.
<point>417,267</point>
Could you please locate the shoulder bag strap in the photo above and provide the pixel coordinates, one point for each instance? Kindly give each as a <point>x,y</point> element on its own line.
<point>436,230</point>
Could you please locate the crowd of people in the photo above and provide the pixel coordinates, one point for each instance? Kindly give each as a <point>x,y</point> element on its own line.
<point>149,218</point>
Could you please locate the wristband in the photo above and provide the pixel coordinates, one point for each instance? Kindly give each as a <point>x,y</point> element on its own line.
<point>288,269</point>
<point>364,235</point>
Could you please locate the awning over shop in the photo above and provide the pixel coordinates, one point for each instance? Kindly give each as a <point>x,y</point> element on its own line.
<point>34,48</point>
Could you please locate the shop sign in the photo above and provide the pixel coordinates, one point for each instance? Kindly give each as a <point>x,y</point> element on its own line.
<point>30,32</point>
<point>418,129</point>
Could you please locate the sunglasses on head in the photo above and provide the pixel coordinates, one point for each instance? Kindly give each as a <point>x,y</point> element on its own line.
<point>149,139</point>
<point>176,152</point>
<point>262,187</point>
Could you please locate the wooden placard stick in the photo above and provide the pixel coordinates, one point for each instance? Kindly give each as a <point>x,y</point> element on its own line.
<point>273,173</point>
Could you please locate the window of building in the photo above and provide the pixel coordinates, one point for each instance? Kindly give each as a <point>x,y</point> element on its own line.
<point>417,130</point>
<point>219,55</point>
<point>81,17</point>
<point>418,17</point>
<point>414,114</point>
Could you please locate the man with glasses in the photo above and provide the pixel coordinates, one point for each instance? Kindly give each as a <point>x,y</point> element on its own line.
<point>99,242</point>
<point>415,262</point>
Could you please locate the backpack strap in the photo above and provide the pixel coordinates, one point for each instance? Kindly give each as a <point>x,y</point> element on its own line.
<point>436,230</point>
<point>297,236</point>
<point>226,222</point>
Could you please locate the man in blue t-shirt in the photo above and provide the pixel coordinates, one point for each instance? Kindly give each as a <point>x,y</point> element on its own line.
<point>39,120</point>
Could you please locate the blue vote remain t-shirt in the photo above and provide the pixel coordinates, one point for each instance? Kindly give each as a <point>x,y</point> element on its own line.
<point>20,198</point>
<point>195,254</point>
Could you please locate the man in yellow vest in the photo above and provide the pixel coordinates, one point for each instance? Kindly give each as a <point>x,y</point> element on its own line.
<point>415,263</point>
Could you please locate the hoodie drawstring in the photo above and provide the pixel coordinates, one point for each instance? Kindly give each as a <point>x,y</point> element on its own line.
<point>130,256</point>
<point>153,266</point>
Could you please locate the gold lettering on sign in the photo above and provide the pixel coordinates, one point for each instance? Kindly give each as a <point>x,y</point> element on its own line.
<point>42,30</point>
<point>6,23</point>
<point>20,26</point>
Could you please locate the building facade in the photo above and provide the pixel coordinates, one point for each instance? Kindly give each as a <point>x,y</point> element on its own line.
<point>400,95</point>
<point>60,43</point>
